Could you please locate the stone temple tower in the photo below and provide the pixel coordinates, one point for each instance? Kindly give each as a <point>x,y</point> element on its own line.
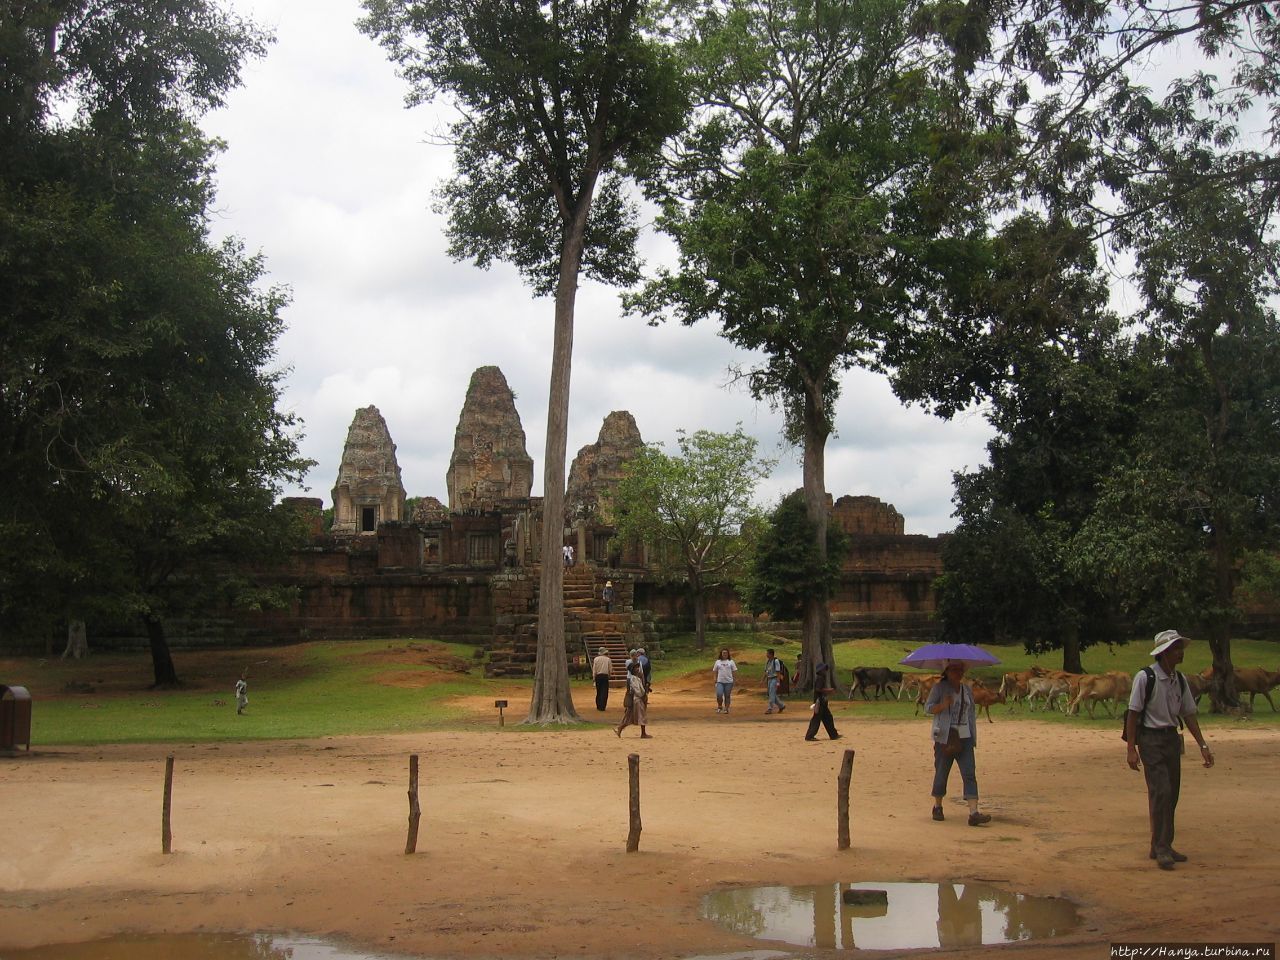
<point>489,461</point>
<point>368,490</point>
<point>598,467</point>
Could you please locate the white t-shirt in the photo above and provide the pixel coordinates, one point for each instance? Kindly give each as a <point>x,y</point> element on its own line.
<point>724,671</point>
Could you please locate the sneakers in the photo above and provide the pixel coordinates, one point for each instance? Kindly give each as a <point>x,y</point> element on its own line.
<point>719,709</point>
<point>1164,860</point>
<point>781,707</point>
<point>1174,855</point>
<point>938,814</point>
<point>770,710</point>
<point>978,819</point>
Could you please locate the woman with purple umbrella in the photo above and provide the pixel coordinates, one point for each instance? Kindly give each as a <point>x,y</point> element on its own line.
<point>955,734</point>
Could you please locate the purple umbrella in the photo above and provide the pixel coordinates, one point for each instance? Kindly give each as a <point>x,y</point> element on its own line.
<point>934,656</point>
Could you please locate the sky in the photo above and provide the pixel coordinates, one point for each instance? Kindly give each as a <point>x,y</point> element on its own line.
<point>330,178</point>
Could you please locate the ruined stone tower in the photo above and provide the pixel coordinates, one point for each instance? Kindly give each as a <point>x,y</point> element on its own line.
<point>368,490</point>
<point>489,461</point>
<point>597,469</point>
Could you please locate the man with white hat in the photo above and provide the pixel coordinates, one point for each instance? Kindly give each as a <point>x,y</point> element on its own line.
<point>601,667</point>
<point>1159,703</point>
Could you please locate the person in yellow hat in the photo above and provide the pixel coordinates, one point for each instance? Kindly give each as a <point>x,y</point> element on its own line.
<point>1159,703</point>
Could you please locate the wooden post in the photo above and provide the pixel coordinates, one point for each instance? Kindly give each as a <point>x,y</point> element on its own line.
<point>166,831</point>
<point>842,799</point>
<point>415,811</point>
<point>633,769</point>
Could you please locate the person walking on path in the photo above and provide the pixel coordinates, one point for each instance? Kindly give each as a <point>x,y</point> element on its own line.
<point>723,670</point>
<point>1159,702</point>
<point>955,735</point>
<point>821,709</point>
<point>773,669</point>
<point>242,694</point>
<point>601,667</point>
<point>607,596</point>
<point>646,667</point>
<point>635,705</point>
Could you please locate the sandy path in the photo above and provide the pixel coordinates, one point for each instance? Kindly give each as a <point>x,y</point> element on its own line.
<point>521,852</point>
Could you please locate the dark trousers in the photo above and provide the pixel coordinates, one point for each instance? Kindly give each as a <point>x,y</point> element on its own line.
<point>822,715</point>
<point>602,691</point>
<point>1161,755</point>
<point>964,760</point>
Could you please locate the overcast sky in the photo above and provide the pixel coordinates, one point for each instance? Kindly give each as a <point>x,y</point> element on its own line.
<point>331,179</point>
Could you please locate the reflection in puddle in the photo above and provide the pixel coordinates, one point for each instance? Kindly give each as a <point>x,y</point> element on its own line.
<point>198,946</point>
<point>915,915</point>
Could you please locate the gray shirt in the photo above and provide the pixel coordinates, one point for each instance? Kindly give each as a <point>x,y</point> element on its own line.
<point>1169,701</point>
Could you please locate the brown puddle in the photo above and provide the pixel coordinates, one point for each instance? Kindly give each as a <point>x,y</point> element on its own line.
<point>197,946</point>
<point>911,915</point>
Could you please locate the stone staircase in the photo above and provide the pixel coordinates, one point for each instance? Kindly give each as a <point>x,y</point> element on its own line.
<point>587,628</point>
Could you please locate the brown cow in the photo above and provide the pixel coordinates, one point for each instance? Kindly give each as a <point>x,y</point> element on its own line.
<point>1104,687</point>
<point>1198,683</point>
<point>1014,685</point>
<point>1257,680</point>
<point>984,698</point>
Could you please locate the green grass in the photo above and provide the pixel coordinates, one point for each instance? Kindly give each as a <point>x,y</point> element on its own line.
<point>326,691</point>
<point>329,689</point>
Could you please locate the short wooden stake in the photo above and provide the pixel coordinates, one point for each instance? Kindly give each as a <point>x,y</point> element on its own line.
<point>415,811</point>
<point>842,799</point>
<point>166,830</point>
<point>633,769</point>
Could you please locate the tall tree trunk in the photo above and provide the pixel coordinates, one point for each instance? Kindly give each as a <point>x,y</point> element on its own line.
<point>161,658</point>
<point>77,641</point>
<point>1071,647</point>
<point>552,701</point>
<point>816,627</point>
<point>1222,688</point>
<point>700,615</point>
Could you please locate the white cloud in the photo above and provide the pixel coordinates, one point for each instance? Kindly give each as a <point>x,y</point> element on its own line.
<point>332,179</point>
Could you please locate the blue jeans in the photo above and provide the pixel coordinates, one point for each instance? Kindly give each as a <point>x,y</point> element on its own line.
<point>942,770</point>
<point>774,702</point>
<point>724,690</point>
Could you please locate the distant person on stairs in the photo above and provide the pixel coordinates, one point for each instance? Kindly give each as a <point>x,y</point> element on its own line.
<point>607,596</point>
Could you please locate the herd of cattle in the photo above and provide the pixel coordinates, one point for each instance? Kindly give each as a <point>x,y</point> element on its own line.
<point>1050,688</point>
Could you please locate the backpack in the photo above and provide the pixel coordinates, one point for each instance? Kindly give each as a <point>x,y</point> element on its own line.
<point>1151,688</point>
<point>784,678</point>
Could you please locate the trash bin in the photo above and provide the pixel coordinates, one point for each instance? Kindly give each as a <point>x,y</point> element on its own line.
<point>15,717</point>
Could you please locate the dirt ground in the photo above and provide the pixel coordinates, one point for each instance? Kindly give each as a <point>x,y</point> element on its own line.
<point>521,853</point>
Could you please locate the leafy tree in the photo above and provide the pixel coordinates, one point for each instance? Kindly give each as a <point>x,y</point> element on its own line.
<point>831,191</point>
<point>787,574</point>
<point>695,510</point>
<point>1087,87</point>
<point>1175,524</point>
<point>556,100</point>
<point>1062,428</point>
<point>137,408</point>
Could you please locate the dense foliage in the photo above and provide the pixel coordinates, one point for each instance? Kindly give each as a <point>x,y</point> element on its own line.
<point>830,191</point>
<point>139,437</point>
<point>694,509</point>
<point>786,572</point>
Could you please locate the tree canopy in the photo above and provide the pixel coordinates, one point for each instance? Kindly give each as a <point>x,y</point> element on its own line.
<point>830,190</point>
<point>695,509</point>
<point>786,572</point>
<point>138,419</point>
